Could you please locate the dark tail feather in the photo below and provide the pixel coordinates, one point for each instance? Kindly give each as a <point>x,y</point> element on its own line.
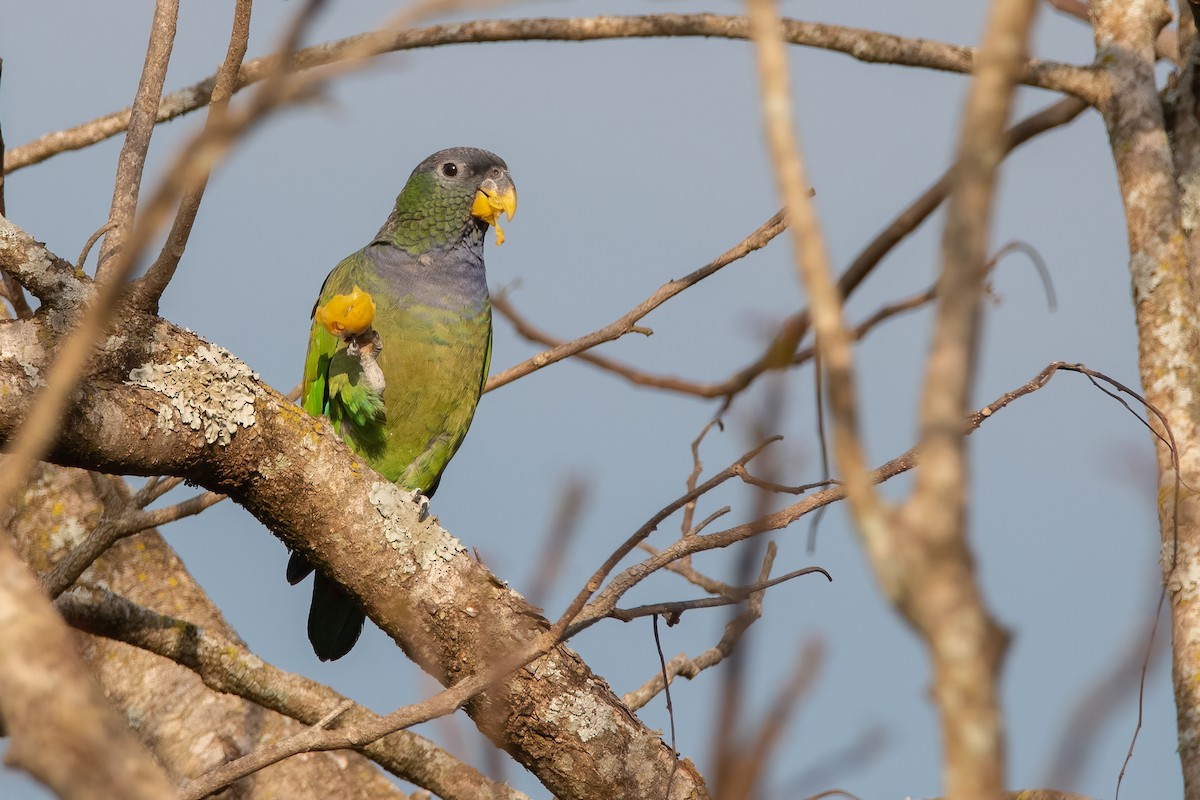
<point>298,568</point>
<point>334,620</point>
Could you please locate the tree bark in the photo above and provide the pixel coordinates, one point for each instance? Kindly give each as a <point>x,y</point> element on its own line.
<point>189,727</point>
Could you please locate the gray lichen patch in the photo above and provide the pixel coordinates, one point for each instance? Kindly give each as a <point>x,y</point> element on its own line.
<point>34,374</point>
<point>426,542</point>
<point>582,714</point>
<point>210,390</point>
<point>68,533</point>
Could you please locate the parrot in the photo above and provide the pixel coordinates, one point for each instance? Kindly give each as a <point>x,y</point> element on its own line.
<point>400,345</point>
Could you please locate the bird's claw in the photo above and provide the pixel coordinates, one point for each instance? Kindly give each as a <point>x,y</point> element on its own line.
<point>368,343</point>
<point>422,504</point>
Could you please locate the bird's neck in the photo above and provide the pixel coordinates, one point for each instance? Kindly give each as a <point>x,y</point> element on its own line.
<point>424,222</point>
<point>420,235</point>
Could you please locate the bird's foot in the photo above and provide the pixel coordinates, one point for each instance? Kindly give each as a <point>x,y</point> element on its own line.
<point>366,347</point>
<point>422,504</point>
<point>367,344</point>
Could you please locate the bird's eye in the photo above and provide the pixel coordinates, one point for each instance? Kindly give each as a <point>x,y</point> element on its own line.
<point>449,169</point>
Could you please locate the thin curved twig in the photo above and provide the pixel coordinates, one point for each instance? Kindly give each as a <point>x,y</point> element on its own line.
<point>628,322</point>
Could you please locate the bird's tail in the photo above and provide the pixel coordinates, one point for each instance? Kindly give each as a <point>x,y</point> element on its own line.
<point>334,620</point>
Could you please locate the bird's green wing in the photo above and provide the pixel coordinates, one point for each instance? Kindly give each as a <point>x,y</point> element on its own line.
<point>333,384</point>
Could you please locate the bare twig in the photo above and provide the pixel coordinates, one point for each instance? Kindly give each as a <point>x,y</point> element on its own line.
<point>142,120</point>
<point>91,242</point>
<point>869,46</point>
<point>812,262</point>
<point>10,290</point>
<point>691,667</point>
<point>672,610</point>
<point>151,286</point>
<point>568,620</point>
<point>122,522</point>
<point>153,489</point>
<point>627,323</point>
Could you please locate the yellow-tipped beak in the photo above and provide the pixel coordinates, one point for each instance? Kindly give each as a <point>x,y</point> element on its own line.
<point>495,197</point>
<point>347,314</point>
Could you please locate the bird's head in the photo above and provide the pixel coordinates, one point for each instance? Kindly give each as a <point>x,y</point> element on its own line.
<point>455,193</point>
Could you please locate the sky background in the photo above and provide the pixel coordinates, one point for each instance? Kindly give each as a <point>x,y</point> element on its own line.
<point>637,162</point>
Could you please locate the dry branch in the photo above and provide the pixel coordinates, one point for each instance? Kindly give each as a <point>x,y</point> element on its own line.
<point>227,666</point>
<point>868,46</point>
<point>1164,265</point>
<point>628,322</point>
<point>151,286</point>
<point>142,119</point>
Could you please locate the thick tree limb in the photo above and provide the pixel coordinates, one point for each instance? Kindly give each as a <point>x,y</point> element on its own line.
<point>226,665</point>
<point>194,410</point>
<point>60,727</point>
<point>1165,298</point>
<point>189,728</point>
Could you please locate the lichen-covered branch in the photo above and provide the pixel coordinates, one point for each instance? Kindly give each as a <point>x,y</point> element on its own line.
<point>189,728</point>
<point>1164,275</point>
<point>225,665</point>
<point>192,409</point>
<point>61,729</point>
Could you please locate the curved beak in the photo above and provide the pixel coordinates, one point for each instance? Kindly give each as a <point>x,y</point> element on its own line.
<point>497,195</point>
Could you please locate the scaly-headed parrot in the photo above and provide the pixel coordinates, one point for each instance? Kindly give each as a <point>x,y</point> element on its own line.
<point>400,345</point>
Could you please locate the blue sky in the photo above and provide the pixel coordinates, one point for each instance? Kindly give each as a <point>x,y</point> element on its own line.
<point>637,162</point>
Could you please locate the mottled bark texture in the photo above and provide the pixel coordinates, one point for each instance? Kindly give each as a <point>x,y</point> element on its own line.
<point>189,727</point>
<point>1160,210</point>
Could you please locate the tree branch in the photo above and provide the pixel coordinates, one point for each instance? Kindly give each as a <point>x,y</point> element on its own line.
<point>868,46</point>
<point>626,323</point>
<point>227,666</point>
<point>142,119</point>
<point>150,287</point>
<point>1164,280</point>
